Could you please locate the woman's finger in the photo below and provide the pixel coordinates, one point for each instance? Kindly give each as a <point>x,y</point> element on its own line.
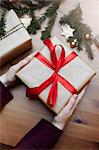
<point>23,62</point>
<point>71,102</point>
<point>30,56</point>
<point>69,106</point>
<point>81,94</point>
<point>74,106</point>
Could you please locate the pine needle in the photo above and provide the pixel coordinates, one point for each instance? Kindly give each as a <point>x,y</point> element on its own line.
<point>2,24</point>
<point>51,14</point>
<point>74,19</point>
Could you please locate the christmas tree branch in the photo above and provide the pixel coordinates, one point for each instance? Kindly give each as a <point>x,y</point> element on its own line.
<point>34,25</point>
<point>74,20</point>
<point>2,24</point>
<point>23,7</point>
<point>88,50</point>
<point>51,14</point>
<point>47,32</point>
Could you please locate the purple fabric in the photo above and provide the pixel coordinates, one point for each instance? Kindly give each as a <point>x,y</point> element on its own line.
<point>5,95</point>
<point>43,136</point>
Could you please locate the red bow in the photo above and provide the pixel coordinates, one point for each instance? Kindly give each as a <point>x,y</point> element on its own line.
<point>55,65</point>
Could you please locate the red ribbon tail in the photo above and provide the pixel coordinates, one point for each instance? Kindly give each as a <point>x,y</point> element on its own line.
<point>34,92</point>
<point>52,97</point>
<point>30,93</point>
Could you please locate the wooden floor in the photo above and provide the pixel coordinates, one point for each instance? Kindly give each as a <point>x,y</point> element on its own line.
<point>69,144</point>
<point>22,114</point>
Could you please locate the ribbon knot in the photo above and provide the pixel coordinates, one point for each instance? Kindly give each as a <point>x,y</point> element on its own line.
<point>56,64</point>
<point>56,71</point>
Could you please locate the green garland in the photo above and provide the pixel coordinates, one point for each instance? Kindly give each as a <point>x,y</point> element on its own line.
<point>74,19</point>
<point>2,24</point>
<point>51,13</point>
<point>34,25</point>
<point>27,7</point>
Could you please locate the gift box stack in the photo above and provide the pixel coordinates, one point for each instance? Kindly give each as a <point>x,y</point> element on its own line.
<point>15,41</point>
<point>54,74</point>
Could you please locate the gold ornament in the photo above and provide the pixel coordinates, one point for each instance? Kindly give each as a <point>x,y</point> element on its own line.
<point>73,44</point>
<point>75,40</point>
<point>87,36</point>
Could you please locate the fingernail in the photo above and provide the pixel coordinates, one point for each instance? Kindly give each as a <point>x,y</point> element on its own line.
<point>27,59</point>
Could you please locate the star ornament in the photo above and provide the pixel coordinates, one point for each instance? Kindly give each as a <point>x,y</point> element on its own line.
<point>26,20</point>
<point>67,31</point>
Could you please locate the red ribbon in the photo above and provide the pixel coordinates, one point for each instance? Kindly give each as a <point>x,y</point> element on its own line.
<point>55,65</point>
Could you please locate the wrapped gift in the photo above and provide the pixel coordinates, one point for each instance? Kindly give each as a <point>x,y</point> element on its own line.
<point>54,74</point>
<point>16,40</point>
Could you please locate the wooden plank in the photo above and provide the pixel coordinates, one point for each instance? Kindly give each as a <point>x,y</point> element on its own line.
<point>16,122</point>
<point>73,143</point>
<point>86,117</point>
<point>86,132</point>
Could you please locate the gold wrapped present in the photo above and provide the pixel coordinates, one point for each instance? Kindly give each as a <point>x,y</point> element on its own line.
<point>54,74</point>
<point>16,40</point>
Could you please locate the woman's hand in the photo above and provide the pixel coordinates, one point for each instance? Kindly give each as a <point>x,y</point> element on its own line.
<point>9,77</point>
<point>62,118</point>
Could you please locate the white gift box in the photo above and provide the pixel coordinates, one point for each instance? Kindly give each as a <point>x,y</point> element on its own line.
<point>76,72</point>
<point>16,40</point>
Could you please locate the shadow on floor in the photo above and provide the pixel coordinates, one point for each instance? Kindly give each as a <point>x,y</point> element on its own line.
<point>5,147</point>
